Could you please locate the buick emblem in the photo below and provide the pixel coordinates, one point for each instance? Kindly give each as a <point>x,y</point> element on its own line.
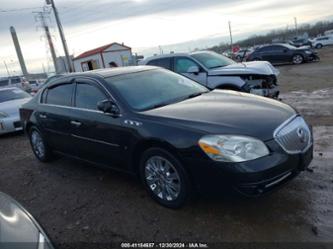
<point>301,134</point>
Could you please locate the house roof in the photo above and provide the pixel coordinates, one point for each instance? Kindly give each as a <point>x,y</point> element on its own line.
<point>99,50</point>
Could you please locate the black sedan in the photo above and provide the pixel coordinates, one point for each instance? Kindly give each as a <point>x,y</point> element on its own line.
<point>177,136</point>
<point>283,53</point>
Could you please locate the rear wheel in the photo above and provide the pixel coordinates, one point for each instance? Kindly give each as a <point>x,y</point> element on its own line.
<point>297,59</point>
<point>164,178</point>
<point>319,45</point>
<point>39,146</point>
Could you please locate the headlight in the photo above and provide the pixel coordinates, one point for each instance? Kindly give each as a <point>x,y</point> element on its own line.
<point>308,52</point>
<point>3,115</point>
<point>230,148</point>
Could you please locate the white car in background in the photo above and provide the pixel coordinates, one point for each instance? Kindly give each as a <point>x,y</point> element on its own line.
<point>11,99</point>
<point>322,41</point>
<point>216,71</point>
<point>16,81</point>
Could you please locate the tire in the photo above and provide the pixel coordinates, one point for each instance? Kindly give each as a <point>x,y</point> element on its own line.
<point>319,45</point>
<point>165,178</point>
<point>297,59</point>
<point>39,146</point>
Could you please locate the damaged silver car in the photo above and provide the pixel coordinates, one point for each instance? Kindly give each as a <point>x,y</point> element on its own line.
<point>216,71</point>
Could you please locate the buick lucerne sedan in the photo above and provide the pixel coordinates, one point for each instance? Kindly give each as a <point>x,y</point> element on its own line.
<point>177,136</point>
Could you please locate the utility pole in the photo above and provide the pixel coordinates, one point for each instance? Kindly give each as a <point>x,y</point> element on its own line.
<point>231,46</point>
<point>296,29</point>
<point>62,35</point>
<point>40,16</point>
<point>4,62</point>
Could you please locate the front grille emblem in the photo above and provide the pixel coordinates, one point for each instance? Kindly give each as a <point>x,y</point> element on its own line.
<point>301,134</point>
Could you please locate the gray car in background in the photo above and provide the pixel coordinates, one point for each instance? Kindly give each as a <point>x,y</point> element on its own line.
<point>217,71</point>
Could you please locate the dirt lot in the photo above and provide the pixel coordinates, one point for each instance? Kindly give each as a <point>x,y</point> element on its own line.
<point>80,203</point>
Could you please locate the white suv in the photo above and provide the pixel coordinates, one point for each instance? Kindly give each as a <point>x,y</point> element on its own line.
<point>322,41</point>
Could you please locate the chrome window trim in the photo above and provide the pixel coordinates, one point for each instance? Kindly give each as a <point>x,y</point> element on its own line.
<point>78,108</point>
<point>284,124</point>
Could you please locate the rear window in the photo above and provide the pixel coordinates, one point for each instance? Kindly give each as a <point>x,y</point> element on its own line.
<point>60,95</point>
<point>162,62</point>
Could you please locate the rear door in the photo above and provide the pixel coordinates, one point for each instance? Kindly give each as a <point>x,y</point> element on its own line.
<point>99,137</point>
<point>54,115</point>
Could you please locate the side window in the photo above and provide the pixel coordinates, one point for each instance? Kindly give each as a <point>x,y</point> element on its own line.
<point>87,96</point>
<point>162,62</point>
<point>60,94</point>
<point>183,64</point>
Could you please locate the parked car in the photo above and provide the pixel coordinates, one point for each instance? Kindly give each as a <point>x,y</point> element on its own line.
<point>16,81</point>
<point>19,229</point>
<point>322,41</point>
<point>301,43</point>
<point>35,86</point>
<point>172,132</point>
<point>217,71</point>
<point>11,99</point>
<point>242,54</point>
<point>283,53</point>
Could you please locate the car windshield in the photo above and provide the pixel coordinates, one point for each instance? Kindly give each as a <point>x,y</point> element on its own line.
<point>212,60</point>
<point>154,88</point>
<point>12,94</point>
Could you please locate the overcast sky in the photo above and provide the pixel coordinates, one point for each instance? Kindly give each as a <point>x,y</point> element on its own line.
<point>144,24</point>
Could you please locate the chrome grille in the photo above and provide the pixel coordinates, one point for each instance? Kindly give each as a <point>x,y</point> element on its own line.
<point>294,135</point>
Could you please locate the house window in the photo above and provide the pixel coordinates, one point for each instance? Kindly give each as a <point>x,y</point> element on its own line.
<point>90,65</point>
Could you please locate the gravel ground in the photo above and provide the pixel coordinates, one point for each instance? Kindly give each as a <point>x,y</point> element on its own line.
<point>76,202</point>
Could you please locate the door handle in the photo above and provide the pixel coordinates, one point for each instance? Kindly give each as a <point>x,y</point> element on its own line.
<point>42,116</point>
<point>76,123</point>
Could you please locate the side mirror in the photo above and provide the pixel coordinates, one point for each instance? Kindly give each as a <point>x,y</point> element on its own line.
<point>193,69</point>
<point>108,106</point>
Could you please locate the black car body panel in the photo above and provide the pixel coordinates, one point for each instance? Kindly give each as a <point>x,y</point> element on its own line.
<point>282,53</point>
<point>118,141</point>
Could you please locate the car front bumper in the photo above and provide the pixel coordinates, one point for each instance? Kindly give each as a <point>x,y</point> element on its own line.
<point>251,178</point>
<point>10,124</point>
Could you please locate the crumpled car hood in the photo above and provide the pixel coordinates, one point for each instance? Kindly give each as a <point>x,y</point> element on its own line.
<point>246,68</point>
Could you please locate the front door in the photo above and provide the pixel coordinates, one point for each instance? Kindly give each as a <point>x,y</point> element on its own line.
<point>182,66</point>
<point>99,137</point>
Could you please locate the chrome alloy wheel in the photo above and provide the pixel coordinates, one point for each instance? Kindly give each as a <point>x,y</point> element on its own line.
<point>37,144</point>
<point>297,59</point>
<point>162,178</point>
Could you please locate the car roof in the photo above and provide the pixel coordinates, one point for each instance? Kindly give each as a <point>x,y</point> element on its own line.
<point>173,55</point>
<point>109,72</point>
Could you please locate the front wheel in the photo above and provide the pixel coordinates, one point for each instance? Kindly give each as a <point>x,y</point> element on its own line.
<point>164,178</point>
<point>319,45</point>
<point>297,59</point>
<point>39,146</point>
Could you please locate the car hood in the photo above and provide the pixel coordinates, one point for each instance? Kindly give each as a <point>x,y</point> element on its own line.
<point>226,112</point>
<point>12,107</point>
<point>245,68</point>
